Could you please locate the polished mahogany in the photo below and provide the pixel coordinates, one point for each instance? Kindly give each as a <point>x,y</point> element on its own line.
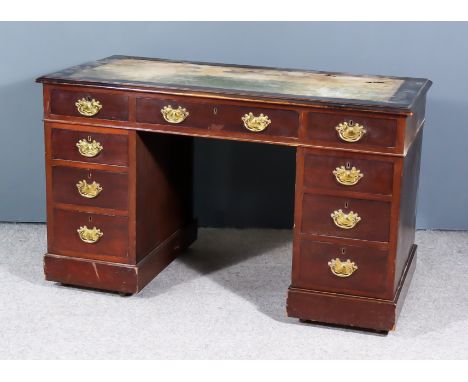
<point>358,145</point>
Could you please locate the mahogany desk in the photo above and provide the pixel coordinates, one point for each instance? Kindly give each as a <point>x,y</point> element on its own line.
<point>119,135</point>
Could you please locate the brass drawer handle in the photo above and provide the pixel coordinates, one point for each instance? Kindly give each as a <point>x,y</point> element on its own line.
<point>89,235</point>
<point>347,177</point>
<point>174,115</point>
<point>88,107</point>
<point>345,221</point>
<point>256,124</point>
<point>89,148</point>
<point>88,190</point>
<point>350,131</point>
<point>342,268</point>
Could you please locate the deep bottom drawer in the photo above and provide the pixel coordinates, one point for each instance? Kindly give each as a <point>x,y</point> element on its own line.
<point>318,262</point>
<point>110,242</point>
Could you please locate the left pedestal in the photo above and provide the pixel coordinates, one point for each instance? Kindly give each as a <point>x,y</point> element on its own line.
<point>119,205</point>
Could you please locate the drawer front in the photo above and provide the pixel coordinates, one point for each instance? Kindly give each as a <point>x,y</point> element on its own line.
<point>89,187</point>
<point>364,275</point>
<point>374,223</point>
<point>348,172</point>
<point>326,128</point>
<point>220,117</point>
<point>86,146</point>
<point>105,106</point>
<point>67,242</point>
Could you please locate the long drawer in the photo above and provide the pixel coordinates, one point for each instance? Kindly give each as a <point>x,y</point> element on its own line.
<point>214,116</point>
<point>90,187</point>
<point>346,217</point>
<point>356,270</point>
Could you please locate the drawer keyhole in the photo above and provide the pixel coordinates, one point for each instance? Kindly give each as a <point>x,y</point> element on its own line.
<point>346,205</point>
<point>348,165</point>
<point>90,218</point>
<point>215,110</point>
<point>343,251</point>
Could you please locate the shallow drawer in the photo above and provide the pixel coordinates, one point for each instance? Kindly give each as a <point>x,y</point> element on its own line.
<point>348,172</point>
<point>89,187</point>
<point>324,266</point>
<point>108,240</point>
<point>89,104</point>
<point>372,221</point>
<point>343,129</point>
<point>87,146</point>
<point>213,116</point>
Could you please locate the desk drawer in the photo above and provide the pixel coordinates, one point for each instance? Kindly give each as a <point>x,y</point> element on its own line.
<point>349,130</point>
<point>89,104</point>
<point>218,117</point>
<point>88,187</point>
<point>348,172</point>
<point>87,146</point>
<point>364,275</point>
<point>66,240</point>
<point>372,221</point>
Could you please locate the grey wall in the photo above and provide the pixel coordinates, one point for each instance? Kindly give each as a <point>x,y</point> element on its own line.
<point>234,179</point>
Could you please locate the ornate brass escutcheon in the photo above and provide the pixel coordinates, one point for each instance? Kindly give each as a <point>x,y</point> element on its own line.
<point>89,148</point>
<point>88,107</point>
<point>88,190</point>
<point>350,131</point>
<point>174,115</point>
<point>256,124</point>
<point>342,268</point>
<point>89,235</point>
<point>347,177</point>
<point>345,221</point>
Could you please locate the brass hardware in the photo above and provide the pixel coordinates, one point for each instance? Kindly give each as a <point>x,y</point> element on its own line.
<point>350,131</point>
<point>88,190</point>
<point>256,124</point>
<point>345,221</point>
<point>347,177</point>
<point>342,268</point>
<point>174,115</point>
<point>89,148</point>
<point>89,235</point>
<point>88,107</point>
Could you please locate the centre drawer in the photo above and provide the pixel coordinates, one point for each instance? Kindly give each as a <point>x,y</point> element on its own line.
<point>356,270</point>
<point>89,187</point>
<point>218,116</point>
<point>346,217</point>
<point>89,235</point>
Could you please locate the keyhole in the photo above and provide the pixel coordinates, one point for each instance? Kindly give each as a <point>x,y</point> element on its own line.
<point>343,251</point>
<point>350,122</point>
<point>215,110</point>
<point>89,176</point>
<point>90,219</point>
<point>348,165</point>
<point>346,205</point>
<point>89,138</point>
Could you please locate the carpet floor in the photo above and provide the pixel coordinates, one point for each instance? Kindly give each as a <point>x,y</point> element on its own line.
<point>224,298</point>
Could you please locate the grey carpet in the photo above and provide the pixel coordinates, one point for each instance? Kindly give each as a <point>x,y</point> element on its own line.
<point>224,298</point>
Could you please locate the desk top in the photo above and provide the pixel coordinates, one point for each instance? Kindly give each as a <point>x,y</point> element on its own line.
<point>234,81</point>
